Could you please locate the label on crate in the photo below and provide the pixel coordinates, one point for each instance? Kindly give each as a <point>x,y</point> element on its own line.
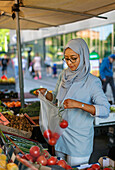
<point>3,120</point>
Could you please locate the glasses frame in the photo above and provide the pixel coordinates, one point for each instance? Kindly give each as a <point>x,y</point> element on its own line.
<point>69,60</point>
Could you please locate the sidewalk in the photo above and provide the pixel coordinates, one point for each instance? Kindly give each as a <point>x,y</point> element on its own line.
<point>30,83</point>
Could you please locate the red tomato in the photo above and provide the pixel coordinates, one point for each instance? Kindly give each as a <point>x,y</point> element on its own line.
<point>90,169</point>
<point>52,160</point>
<point>35,151</point>
<point>30,158</point>
<point>62,163</point>
<point>106,169</point>
<point>23,157</point>
<point>42,160</point>
<point>52,141</point>
<point>45,153</point>
<point>55,135</point>
<point>63,124</point>
<point>68,167</point>
<point>95,167</point>
<point>47,134</point>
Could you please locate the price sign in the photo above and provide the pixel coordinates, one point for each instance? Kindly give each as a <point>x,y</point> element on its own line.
<point>3,120</point>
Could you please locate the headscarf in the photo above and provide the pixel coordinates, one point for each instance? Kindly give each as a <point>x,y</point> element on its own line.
<point>81,73</point>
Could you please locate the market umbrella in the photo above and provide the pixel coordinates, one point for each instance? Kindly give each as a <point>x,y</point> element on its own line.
<point>35,14</point>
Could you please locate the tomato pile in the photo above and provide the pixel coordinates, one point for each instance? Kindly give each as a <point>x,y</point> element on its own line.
<point>42,157</point>
<point>51,137</point>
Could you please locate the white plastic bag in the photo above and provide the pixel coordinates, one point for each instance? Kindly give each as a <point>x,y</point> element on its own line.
<point>49,120</point>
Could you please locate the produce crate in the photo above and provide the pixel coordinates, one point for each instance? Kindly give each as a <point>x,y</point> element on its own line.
<point>16,131</point>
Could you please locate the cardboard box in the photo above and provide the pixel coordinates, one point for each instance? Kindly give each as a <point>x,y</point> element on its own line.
<point>16,131</point>
<point>106,162</point>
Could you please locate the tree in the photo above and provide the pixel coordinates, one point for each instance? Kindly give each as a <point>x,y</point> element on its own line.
<point>4,38</point>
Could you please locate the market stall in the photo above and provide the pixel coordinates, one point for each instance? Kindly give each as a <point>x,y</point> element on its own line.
<point>19,133</point>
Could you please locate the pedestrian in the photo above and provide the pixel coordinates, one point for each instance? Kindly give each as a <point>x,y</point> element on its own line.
<point>83,98</point>
<point>24,63</point>
<point>37,66</point>
<point>106,73</point>
<point>4,63</point>
<point>15,66</point>
<point>54,70</point>
<point>48,65</point>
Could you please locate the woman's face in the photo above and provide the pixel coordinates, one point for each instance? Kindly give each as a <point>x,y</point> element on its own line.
<point>72,59</point>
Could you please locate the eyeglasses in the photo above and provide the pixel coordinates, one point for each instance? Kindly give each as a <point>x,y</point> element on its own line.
<point>73,60</point>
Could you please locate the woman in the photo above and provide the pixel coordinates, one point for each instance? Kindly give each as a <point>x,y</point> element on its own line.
<point>37,66</point>
<point>83,98</point>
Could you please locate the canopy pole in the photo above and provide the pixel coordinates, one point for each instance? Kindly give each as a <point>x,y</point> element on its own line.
<point>19,58</point>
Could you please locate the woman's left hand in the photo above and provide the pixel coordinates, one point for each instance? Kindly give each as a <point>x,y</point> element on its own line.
<point>69,103</point>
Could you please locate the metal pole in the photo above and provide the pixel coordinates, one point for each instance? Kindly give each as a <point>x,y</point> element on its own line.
<point>19,59</point>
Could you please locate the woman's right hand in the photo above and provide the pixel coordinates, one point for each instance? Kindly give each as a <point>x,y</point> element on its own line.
<point>48,95</point>
<point>42,90</point>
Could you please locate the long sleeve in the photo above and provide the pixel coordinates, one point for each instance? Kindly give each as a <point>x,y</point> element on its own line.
<point>99,100</point>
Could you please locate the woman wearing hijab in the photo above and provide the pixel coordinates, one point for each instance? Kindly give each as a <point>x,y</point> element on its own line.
<point>83,98</point>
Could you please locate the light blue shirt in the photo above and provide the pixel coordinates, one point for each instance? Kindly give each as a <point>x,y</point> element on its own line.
<point>77,139</point>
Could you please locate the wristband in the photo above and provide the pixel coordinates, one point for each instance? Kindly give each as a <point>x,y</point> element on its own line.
<point>45,93</point>
<point>82,105</point>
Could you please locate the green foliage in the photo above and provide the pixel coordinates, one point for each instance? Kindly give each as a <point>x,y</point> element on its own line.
<point>3,33</point>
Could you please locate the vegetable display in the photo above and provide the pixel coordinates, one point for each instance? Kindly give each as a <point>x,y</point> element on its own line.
<point>18,122</point>
<point>32,109</point>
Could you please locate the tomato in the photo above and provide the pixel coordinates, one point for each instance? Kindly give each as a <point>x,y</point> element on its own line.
<point>45,153</point>
<point>42,160</point>
<point>106,169</point>
<point>35,151</point>
<point>62,163</point>
<point>95,167</point>
<point>68,167</point>
<point>47,134</point>
<point>30,158</point>
<point>23,157</point>
<point>52,160</point>
<point>90,169</point>
<point>55,135</point>
<point>52,141</point>
<point>63,124</point>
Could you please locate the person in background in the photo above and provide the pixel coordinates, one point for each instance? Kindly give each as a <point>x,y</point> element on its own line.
<point>48,65</point>
<point>54,68</point>
<point>4,64</point>
<point>15,66</point>
<point>106,73</point>
<point>24,63</point>
<point>37,66</point>
<point>82,96</point>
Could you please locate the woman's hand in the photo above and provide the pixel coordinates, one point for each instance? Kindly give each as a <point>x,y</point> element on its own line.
<point>42,90</point>
<point>48,95</point>
<point>69,103</point>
